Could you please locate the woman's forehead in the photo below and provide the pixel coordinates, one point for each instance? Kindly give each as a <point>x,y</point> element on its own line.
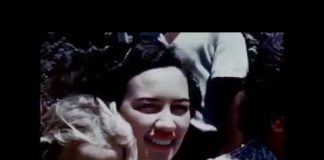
<point>168,82</point>
<point>159,75</point>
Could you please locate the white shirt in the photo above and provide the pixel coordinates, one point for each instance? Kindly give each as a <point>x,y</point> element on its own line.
<point>213,54</point>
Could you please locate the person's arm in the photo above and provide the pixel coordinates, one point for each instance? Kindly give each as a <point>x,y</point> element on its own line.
<point>229,67</point>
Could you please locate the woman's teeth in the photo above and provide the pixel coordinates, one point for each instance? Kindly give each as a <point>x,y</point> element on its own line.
<point>161,142</point>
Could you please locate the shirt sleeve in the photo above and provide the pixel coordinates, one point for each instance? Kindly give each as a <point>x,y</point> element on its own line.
<point>230,57</point>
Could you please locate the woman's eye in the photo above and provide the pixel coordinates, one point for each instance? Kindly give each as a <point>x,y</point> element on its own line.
<point>148,108</point>
<point>179,109</point>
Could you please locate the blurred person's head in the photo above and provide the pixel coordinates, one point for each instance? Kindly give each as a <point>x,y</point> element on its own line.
<point>262,115</point>
<point>82,127</point>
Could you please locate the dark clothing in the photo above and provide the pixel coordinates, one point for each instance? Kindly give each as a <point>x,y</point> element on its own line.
<point>253,151</point>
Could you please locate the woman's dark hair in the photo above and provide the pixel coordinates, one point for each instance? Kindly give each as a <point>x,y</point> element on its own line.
<point>145,56</point>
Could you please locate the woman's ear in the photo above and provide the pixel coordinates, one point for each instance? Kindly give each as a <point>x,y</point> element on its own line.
<point>278,125</point>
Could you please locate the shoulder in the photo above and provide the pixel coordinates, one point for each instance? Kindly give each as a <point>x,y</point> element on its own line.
<point>228,37</point>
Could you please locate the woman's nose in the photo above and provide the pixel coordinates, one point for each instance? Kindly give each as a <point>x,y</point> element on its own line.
<point>165,122</point>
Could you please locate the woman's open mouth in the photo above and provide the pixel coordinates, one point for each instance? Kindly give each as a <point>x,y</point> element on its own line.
<point>160,145</point>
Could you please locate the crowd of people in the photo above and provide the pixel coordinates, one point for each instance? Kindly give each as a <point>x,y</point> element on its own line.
<point>162,96</point>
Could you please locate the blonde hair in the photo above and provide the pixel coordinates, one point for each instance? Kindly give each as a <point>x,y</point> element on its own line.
<point>84,118</point>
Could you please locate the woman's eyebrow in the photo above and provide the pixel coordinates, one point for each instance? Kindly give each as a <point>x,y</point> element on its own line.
<point>147,99</point>
<point>155,100</point>
<point>181,100</point>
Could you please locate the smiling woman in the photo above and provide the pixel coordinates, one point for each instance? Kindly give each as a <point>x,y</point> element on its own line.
<point>158,110</point>
<point>157,96</point>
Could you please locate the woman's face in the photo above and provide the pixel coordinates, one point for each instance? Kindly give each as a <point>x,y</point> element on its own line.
<point>156,104</point>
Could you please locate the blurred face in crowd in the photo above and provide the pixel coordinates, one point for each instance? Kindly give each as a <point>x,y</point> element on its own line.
<point>86,129</point>
<point>156,104</point>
